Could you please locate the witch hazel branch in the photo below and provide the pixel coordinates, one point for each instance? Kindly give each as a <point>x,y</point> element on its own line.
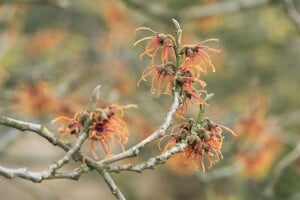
<point>175,70</point>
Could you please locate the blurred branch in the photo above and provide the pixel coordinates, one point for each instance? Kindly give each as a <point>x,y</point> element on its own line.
<point>220,173</point>
<point>56,3</point>
<point>161,159</point>
<point>292,12</point>
<point>280,167</point>
<point>133,151</point>
<point>220,8</point>
<point>150,8</point>
<point>196,11</point>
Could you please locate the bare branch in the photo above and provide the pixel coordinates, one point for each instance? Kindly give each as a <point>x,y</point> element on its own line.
<point>22,173</point>
<point>45,133</point>
<point>66,158</point>
<point>37,128</point>
<point>112,185</point>
<point>161,159</point>
<point>292,13</point>
<point>74,153</point>
<point>133,151</point>
<point>38,177</point>
<point>50,173</point>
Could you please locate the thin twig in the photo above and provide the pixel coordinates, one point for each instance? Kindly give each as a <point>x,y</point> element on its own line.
<point>133,151</point>
<point>38,177</point>
<point>66,158</point>
<point>112,185</point>
<point>161,159</point>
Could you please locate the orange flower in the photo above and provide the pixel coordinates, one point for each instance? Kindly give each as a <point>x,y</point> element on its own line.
<point>158,42</point>
<point>36,98</point>
<point>259,147</point>
<point>104,126</point>
<point>204,139</point>
<point>107,128</point>
<point>191,94</point>
<point>160,74</point>
<point>70,125</point>
<point>196,57</point>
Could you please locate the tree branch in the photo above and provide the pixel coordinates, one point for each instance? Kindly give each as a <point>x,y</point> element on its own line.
<point>73,152</point>
<point>36,128</point>
<point>112,185</point>
<point>50,173</point>
<point>38,177</point>
<point>161,159</point>
<point>66,158</point>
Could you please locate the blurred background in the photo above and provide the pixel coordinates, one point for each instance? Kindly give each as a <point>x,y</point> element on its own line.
<point>54,52</point>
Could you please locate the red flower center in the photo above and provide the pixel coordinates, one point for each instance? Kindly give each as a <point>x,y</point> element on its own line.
<point>99,127</point>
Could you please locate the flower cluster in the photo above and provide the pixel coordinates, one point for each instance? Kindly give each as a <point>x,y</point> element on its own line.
<point>104,125</point>
<point>204,140</point>
<point>178,68</point>
<point>181,70</point>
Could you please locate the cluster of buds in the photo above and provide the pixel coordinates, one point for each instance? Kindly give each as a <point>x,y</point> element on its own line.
<point>204,140</point>
<point>103,125</point>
